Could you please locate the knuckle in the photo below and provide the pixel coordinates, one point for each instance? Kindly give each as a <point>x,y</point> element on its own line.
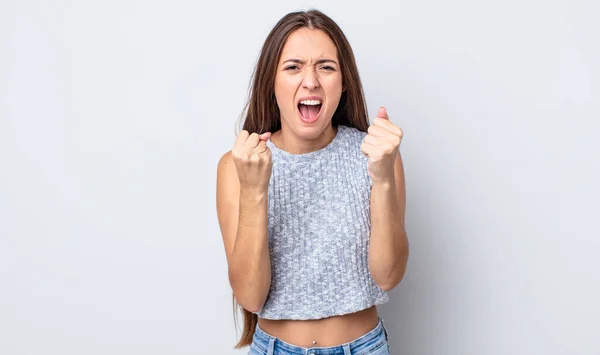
<point>240,156</point>
<point>243,136</point>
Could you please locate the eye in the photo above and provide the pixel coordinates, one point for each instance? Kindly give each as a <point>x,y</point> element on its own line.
<point>328,68</point>
<point>291,67</point>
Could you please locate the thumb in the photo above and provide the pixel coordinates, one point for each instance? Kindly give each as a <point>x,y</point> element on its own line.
<point>382,113</point>
<point>265,136</point>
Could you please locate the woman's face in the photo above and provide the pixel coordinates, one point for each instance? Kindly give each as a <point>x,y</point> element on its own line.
<point>308,83</point>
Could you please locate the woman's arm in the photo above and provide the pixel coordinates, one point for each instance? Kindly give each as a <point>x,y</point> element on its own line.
<point>388,245</point>
<point>242,215</point>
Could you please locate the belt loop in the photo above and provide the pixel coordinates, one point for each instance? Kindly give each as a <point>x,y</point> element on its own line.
<point>346,348</point>
<point>271,346</point>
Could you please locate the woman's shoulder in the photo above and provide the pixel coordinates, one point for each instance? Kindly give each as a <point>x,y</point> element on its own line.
<point>352,136</point>
<point>351,132</point>
<point>226,160</point>
<point>226,171</point>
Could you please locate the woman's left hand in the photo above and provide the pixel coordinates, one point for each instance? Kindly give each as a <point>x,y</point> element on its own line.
<point>381,147</point>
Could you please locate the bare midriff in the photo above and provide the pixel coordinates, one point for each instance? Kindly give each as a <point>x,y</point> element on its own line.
<point>324,332</point>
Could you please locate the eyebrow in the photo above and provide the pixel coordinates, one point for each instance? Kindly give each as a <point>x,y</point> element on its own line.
<point>320,61</point>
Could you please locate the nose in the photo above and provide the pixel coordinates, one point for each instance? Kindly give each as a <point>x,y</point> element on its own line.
<point>310,81</point>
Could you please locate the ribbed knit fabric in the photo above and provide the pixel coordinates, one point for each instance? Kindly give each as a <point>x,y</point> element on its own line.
<point>319,227</point>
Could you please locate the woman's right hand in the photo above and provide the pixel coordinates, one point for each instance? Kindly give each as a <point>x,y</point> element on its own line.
<point>253,161</point>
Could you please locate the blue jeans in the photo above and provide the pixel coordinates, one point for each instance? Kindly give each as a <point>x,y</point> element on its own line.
<point>375,342</point>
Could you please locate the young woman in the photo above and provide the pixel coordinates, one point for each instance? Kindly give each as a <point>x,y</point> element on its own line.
<point>311,200</point>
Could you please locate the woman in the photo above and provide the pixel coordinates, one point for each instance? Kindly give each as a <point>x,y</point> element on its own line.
<point>311,200</point>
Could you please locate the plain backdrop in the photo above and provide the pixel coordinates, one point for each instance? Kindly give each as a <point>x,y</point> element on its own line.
<point>114,114</point>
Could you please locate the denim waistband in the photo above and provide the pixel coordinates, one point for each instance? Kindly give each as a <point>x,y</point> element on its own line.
<point>366,343</point>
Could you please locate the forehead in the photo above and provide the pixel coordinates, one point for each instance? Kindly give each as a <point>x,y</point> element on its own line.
<point>307,43</point>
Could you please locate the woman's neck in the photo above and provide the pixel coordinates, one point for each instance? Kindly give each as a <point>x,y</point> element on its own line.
<point>285,139</point>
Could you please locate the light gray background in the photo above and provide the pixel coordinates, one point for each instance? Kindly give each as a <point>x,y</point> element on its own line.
<point>113,116</point>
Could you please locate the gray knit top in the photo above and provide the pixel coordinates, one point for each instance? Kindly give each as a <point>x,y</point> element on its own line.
<point>319,226</point>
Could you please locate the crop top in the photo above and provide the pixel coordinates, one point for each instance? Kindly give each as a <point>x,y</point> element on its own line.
<point>318,228</point>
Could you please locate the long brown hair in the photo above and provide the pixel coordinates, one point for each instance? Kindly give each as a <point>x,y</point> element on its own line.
<point>261,110</point>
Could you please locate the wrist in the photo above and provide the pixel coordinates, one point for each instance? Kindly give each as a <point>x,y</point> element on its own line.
<point>253,193</point>
<point>384,183</point>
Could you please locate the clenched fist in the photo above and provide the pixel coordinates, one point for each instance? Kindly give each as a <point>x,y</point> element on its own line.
<point>381,147</point>
<point>253,160</point>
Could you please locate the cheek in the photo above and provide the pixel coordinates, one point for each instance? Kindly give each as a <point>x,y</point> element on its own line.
<point>285,91</point>
<point>333,87</point>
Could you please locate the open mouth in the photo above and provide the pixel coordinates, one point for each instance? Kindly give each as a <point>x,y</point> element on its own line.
<point>309,110</point>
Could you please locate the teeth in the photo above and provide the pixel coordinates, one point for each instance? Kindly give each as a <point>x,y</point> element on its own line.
<point>311,102</point>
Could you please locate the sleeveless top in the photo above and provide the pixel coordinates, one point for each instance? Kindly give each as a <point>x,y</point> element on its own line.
<point>319,227</point>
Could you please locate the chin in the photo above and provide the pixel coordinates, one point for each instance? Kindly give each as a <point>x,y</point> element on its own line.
<point>312,131</point>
